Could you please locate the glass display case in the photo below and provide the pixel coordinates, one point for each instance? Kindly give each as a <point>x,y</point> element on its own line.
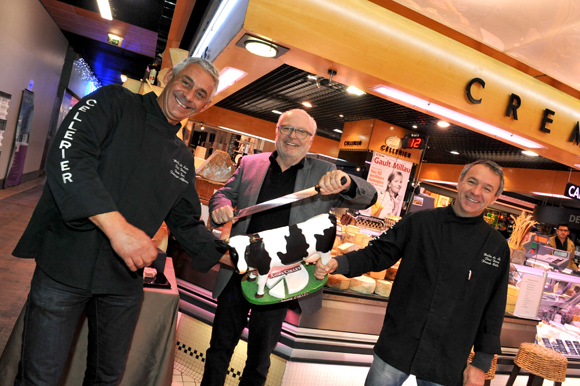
<point>551,297</point>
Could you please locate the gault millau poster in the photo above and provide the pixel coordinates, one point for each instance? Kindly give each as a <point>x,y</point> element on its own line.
<point>390,177</point>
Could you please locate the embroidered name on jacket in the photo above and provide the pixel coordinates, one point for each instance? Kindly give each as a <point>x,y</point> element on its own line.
<point>491,260</point>
<point>180,171</point>
<point>68,140</point>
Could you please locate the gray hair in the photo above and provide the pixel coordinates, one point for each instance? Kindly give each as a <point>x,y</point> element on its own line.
<point>492,166</point>
<point>205,64</point>
<point>310,119</point>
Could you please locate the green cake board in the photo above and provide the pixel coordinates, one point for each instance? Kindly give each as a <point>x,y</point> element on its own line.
<point>249,288</point>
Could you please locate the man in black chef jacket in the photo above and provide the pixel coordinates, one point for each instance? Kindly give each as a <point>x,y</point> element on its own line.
<point>450,291</point>
<point>115,172</point>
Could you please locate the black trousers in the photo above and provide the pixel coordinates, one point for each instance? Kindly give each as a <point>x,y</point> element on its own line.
<point>264,327</point>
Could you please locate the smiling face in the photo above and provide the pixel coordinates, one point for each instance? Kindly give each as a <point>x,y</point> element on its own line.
<point>292,149</point>
<point>476,191</point>
<point>186,94</point>
<point>396,184</point>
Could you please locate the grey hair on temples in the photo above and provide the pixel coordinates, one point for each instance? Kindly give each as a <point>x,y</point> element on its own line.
<point>492,166</point>
<point>205,64</point>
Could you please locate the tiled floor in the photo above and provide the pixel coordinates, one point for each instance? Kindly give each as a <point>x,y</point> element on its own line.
<point>180,379</point>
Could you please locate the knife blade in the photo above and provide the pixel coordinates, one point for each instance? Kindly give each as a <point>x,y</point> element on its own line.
<point>283,200</point>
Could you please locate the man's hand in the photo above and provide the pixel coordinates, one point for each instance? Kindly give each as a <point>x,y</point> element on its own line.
<point>330,182</point>
<point>472,376</point>
<point>321,270</point>
<point>223,215</point>
<point>131,243</point>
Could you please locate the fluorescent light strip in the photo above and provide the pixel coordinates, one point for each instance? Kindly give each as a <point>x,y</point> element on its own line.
<point>551,195</point>
<point>440,182</point>
<point>457,117</point>
<point>242,133</point>
<point>215,25</point>
<point>105,9</point>
<point>229,76</point>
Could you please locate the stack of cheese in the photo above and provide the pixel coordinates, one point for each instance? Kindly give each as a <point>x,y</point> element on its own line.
<point>361,284</point>
<point>512,297</point>
<point>352,240</point>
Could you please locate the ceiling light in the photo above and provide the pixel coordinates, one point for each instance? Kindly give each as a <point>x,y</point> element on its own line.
<point>456,117</point>
<point>414,126</point>
<point>214,26</point>
<point>277,112</point>
<point>306,104</point>
<point>355,91</point>
<point>105,9</point>
<point>340,115</point>
<point>529,153</point>
<point>443,124</point>
<point>454,152</point>
<point>229,76</point>
<point>440,182</point>
<point>123,78</point>
<point>550,195</point>
<point>338,130</point>
<point>261,47</point>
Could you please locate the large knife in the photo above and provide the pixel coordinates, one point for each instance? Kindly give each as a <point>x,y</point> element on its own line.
<point>284,200</point>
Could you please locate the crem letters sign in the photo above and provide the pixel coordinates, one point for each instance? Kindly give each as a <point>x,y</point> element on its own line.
<point>515,102</point>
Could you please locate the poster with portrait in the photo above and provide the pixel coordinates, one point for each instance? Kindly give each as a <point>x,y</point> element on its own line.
<point>16,165</point>
<point>390,177</point>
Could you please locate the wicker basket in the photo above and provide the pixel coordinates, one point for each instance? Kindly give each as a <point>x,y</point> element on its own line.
<point>491,373</point>
<point>542,362</point>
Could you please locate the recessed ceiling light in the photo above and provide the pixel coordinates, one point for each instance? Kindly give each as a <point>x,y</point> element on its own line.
<point>105,9</point>
<point>306,104</point>
<point>261,48</point>
<point>443,124</point>
<point>338,130</point>
<point>454,152</point>
<point>355,91</point>
<point>277,112</point>
<point>529,153</point>
<point>229,76</point>
<point>414,126</point>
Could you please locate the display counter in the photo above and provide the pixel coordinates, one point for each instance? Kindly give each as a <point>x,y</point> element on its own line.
<point>151,354</point>
<point>346,328</point>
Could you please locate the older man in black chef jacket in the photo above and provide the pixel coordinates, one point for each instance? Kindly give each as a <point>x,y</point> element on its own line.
<point>450,291</point>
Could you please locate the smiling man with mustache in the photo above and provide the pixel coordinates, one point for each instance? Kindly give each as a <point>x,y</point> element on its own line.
<point>115,172</point>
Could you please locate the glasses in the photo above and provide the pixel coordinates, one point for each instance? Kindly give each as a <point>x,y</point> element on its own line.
<point>300,133</point>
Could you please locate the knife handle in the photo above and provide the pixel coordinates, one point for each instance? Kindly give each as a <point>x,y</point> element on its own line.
<point>343,181</point>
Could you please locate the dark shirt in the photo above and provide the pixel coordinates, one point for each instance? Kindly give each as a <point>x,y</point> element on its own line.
<point>449,293</point>
<point>276,183</point>
<point>115,151</point>
<point>563,246</point>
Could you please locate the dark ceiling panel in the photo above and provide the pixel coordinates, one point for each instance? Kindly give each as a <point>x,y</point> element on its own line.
<point>145,14</point>
<point>108,62</point>
<point>287,87</point>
